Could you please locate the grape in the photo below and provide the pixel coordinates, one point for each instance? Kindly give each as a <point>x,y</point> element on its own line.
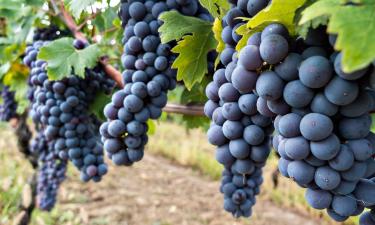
<point>313,161</point>
<point>297,95</point>
<point>8,109</point>
<point>288,69</point>
<point>355,128</point>
<point>275,28</point>
<point>283,166</point>
<point>224,156</point>
<point>215,135</point>
<point>273,48</point>
<point>254,6</point>
<point>297,148</point>
<point>343,160</point>
<point>259,153</point>
<point>316,127</point>
<point>263,108</point>
<point>318,199</point>
<point>244,81</point>
<point>253,135</point>
<point>359,107</point>
<point>364,192</point>
<point>361,148</point>
<point>232,129</point>
<point>326,149</point>
<point>228,93</point>
<point>243,166</point>
<point>355,172</point>
<point>137,10</point>
<point>254,39</point>
<point>250,57</point>
<point>269,86</point>
<point>336,216</point>
<point>327,178</point>
<point>301,172</point>
<point>217,117</point>
<point>315,72</point>
<point>341,92</point>
<point>347,76</point>
<point>289,125</point>
<point>239,148</point>
<point>212,91</point>
<point>345,187</point>
<point>320,104</point>
<point>279,106</point>
<point>247,104</point>
<point>344,205</point>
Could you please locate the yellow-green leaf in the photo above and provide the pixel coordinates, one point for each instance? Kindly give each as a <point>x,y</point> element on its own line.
<point>280,11</point>
<point>217,29</point>
<point>217,8</point>
<point>355,26</point>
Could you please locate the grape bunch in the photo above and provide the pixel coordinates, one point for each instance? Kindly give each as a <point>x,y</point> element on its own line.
<point>51,171</point>
<point>240,130</point>
<point>147,77</point>
<point>61,108</point>
<point>8,109</point>
<point>322,117</point>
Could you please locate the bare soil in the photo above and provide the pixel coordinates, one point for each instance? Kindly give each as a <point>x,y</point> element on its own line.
<point>159,192</point>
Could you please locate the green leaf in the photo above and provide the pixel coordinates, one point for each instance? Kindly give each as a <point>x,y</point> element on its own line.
<point>192,122</point>
<point>355,36</point>
<point>191,64</point>
<point>78,6</point>
<point>151,127</point>
<point>97,106</point>
<point>61,57</point>
<point>217,8</point>
<point>217,29</point>
<point>279,11</point>
<point>196,94</point>
<point>175,26</point>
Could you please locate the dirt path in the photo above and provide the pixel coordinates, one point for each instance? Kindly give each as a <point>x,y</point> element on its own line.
<point>158,192</point>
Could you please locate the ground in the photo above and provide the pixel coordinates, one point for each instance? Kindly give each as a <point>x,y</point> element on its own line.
<point>158,191</point>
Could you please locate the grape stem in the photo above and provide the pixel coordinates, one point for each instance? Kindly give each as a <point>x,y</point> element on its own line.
<point>191,110</point>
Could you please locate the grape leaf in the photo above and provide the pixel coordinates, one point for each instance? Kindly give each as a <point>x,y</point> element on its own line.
<point>77,6</point>
<point>192,60</point>
<point>355,36</point>
<point>217,29</point>
<point>175,26</point>
<point>196,94</point>
<point>61,57</point>
<point>279,11</point>
<point>97,106</point>
<point>217,8</point>
<point>151,127</point>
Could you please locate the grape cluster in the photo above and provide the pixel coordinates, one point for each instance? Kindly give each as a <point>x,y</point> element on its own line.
<point>51,171</point>
<point>239,129</point>
<point>8,109</point>
<point>321,116</point>
<point>147,77</point>
<point>62,110</point>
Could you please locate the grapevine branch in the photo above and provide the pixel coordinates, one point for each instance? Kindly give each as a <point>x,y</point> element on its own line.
<point>191,110</point>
